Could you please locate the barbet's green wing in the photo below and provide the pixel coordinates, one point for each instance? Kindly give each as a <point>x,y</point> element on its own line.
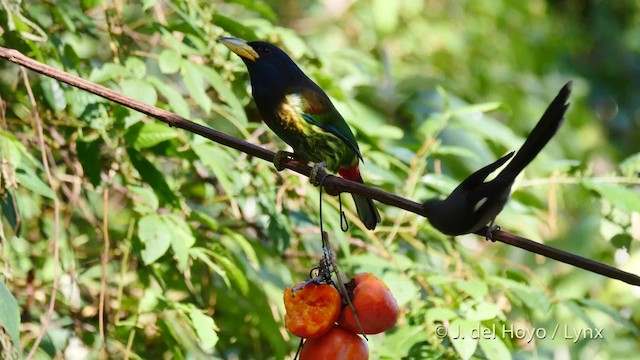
<point>318,111</point>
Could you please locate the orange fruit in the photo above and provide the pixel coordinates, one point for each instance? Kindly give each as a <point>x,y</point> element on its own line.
<point>375,305</point>
<point>312,311</point>
<point>337,344</point>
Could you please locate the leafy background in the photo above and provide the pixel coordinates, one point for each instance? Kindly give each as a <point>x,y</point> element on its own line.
<point>203,239</point>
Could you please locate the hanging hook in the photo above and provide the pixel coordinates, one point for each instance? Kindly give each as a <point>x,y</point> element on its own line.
<point>344,223</point>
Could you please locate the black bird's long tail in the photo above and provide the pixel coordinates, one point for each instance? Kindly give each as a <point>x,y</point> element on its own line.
<point>367,211</point>
<point>541,133</point>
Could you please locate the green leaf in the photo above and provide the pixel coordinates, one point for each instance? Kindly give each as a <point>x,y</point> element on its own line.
<point>463,336</point>
<point>402,288</point>
<point>195,84</point>
<point>155,236</point>
<point>439,314</point>
<point>233,27</point>
<point>577,310</point>
<point>483,311</point>
<point>279,231</point>
<point>631,165</point>
<point>136,66</point>
<point>493,347</point>
<point>145,200</point>
<point>475,288</point>
<point>153,177</point>
<point>200,254</point>
<point>53,94</point>
<point>398,343</point>
<point>234,272</point>
<point>139,90</point>
<point>89,156</point>
<point>622,241</point>
<point>148,4</point>
<point>386,15</point>
<point>205,328</point>
<point>109,71</point>
<point>219,162</point>
<point>169,61</point>
<point>174,98</point>
<point>32,182</point>
<point>614,314</point>
<point>245,245</point>
<point>181,238</point>
<point>258,6</point>
<point>224,91</point>
<point>625,199</point>
<point>146,135</point>
<point>9,318</point>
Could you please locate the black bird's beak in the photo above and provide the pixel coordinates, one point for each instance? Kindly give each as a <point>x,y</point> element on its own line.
<point>240,47</point>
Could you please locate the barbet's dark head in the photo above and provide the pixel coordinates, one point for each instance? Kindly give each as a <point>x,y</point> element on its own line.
<point>271,70</point>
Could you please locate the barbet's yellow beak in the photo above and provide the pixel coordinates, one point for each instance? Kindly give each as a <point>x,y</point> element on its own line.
<point>240,47</point>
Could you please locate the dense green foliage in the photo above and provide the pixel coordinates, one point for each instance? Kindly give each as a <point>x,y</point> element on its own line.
<point>204,239</point>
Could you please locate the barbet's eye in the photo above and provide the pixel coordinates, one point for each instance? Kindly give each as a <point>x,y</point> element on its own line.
<point>266,51</point>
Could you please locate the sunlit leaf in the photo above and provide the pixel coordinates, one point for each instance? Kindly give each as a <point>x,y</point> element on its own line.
<point>205,328</point>
<point>463,336</point>
<point>194,82</point>
<point>169,61</point>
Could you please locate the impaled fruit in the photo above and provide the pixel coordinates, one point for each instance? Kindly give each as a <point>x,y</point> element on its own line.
<point>337,344</point>
<point>375,306</point>
<point>312,310</point>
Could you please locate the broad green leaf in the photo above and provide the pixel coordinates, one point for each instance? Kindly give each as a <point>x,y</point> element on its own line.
<point>205,219</point>
<point>181,238</point>
<point>136,66</point>
<point>493,347</point>
<point>622,241</point>
<point>140,90</point>
<point>53,94</point>
<point>148,4</point>
<point>201,254</point>
<point>613,313</point>
<point>396,344</point>
<point>145,200</point>
<point>9,316</point>
<point>235,273</point>
<point>219,162</point>
<point>245,245</point>
<point>156,237</point>
<point>176,100</point>
<point>463,335</point>
<point>475,288</point>
<point>152,176</point>
<point>109,71</point>
<point>577,310</point>
<point>194,82</point>
<point>233,27</point>
<point>89,156</point>
<point>440,314</point>
<point>386,14</point>
<point>146,135</point>
<point>169,61</point>
<point>224,91</point>
<point>32,182</point>
<point>631,165</point>
<point>483,311</point>
<point>402,288</point>
<point>626,199</point>
<point>258,6</point>
<point>10,149</point>
<point>205,328</point>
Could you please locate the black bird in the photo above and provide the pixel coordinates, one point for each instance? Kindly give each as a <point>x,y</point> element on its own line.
<point>475,203</point>
<point>302,115</point>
